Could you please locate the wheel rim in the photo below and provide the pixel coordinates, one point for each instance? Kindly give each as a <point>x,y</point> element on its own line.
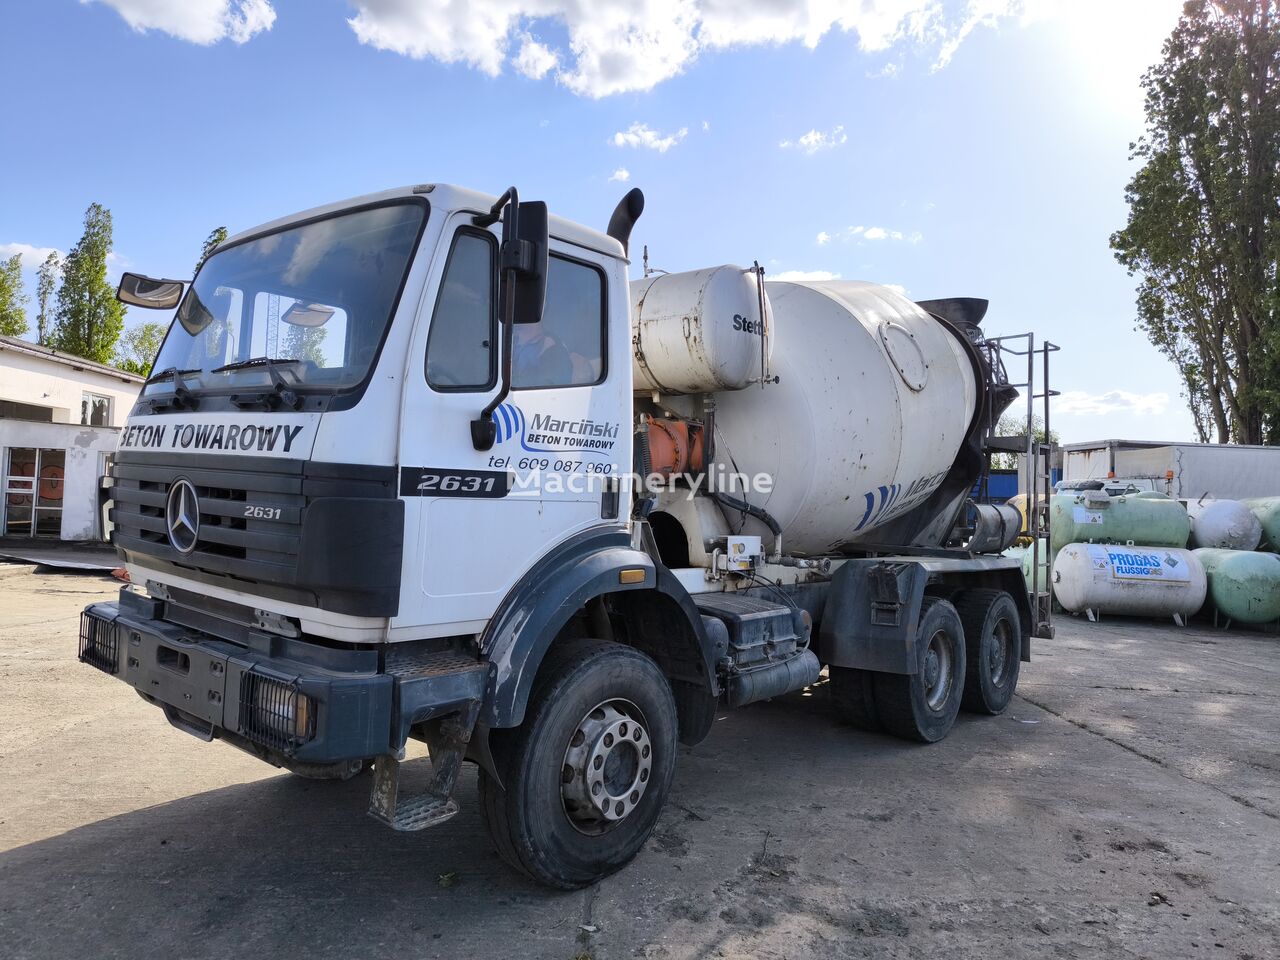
<point>999,651</point>
<point>607,765</point>
<point>938,671</point>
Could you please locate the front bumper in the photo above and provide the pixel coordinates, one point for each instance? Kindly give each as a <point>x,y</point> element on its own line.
<point>289,702</point>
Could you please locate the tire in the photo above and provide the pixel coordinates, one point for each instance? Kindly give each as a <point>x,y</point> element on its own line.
<point>993,648</point>
<point>923,706</point>
<point>585,705</point>
<point>853,693</point>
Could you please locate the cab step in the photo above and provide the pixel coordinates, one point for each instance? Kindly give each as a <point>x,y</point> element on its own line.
<point>407,813</point>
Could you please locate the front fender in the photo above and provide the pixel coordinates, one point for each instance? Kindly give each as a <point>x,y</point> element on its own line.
<point>539,605</point>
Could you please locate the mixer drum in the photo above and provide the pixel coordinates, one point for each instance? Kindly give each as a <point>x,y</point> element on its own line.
<point>874,400</point>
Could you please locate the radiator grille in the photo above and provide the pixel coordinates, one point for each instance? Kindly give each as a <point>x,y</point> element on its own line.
<point>99,644</point>
<point>250,523</point>
<point>276,713</point>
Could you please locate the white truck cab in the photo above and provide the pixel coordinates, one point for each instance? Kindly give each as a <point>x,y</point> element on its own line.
<point>386,483</point>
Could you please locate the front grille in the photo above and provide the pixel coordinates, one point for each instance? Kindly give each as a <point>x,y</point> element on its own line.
<point>250,522</point>
<point>99,644</point>
<point>276,713</point>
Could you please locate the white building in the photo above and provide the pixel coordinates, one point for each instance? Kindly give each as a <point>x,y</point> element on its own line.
<point>60,419</point>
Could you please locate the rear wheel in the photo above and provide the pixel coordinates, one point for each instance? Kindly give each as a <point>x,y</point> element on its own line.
<point>585,776</point>
<point>993,642</point>
<point>923,706</point>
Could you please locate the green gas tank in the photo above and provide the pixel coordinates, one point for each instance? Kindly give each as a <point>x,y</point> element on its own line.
<point>1243,584</point>
<point>1267,510</point>
<point>1095,517</point>
<point>1023,553</point>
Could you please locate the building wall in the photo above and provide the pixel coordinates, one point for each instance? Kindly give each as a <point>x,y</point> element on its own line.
<point>84,447</point>
<point>49,383</point>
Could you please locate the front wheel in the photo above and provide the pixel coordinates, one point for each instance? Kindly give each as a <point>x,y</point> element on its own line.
<point>585,776</point>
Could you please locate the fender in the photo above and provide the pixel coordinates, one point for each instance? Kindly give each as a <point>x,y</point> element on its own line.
<point>543,600</point>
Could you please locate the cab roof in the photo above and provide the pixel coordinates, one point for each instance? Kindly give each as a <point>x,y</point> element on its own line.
<point>445,198</point>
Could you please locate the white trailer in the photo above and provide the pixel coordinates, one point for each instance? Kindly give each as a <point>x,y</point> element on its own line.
<point>1185,471</point>
<point>394,478</point>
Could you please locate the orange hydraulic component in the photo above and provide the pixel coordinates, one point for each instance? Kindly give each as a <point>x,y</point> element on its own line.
<point>675,446</point>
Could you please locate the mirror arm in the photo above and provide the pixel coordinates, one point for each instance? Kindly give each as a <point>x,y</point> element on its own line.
<point>484,431</point>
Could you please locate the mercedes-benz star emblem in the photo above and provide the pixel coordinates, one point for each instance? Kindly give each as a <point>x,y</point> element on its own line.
<point>182,516</point>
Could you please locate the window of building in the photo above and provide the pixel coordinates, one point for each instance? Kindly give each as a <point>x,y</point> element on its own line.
<point>459,347</point>
<point>95,410</point>
<point>14,410</point>
<point>34,484</point>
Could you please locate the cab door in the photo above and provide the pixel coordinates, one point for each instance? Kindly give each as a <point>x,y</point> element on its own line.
<point>477,520</point>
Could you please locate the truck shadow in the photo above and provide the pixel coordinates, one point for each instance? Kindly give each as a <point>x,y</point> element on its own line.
<point>296,867</point>
<point>293,866</point>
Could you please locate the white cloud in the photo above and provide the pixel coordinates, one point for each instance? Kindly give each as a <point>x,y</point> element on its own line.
<point>816,140</point>
<point>794,276</point>
<point>199,21</point>
<point>861,234</point>
<point>706,126</point>
<point>1081,403</point>
<point>622,175</point>
<point>617,46</point>
<point>32,257</point>
<point>535,60</point>
<point>823,238</point>
<point>641,135</point>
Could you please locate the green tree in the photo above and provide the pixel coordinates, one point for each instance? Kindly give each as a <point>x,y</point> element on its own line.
<point>1203,234</point>
<point>46,282</point>
<point>89,318</point>
<point>217,236</point>
<point>304,343</point>
<point>13,301</point>
<point>137,349</point>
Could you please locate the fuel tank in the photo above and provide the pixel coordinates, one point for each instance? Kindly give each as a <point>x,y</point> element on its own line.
<point>1138,581</point>
<point>1223,524</point>
<point>1244,585</point>
<point>1095,517</point>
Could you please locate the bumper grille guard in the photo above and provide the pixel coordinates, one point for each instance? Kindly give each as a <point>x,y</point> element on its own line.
<point>276,713</point>
<point>99,643</point>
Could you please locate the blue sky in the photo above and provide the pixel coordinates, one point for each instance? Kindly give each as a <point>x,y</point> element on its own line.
<point>972,148</point>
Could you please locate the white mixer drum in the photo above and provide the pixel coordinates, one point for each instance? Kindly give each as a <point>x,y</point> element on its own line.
<point>874,400</point>
<point>698,332</point>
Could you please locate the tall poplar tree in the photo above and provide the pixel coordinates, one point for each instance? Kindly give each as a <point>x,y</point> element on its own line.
<point>89,318</point>
<point>13,301</point>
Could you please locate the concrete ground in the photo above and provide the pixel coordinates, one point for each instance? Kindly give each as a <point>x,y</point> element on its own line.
<point>1128,804</point>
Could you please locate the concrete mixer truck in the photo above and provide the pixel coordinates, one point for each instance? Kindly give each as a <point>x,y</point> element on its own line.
<point>426,465</point>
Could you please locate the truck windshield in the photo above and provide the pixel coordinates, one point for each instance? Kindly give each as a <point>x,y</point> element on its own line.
<point>319,294</point>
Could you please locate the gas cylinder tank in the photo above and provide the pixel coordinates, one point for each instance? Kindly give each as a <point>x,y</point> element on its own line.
<point>1093,516</point>
<point>1223,524</point>
<point>1267,510</point>
<point>1137,581</point>
<point>700,331</point>
<point>873,400</point>
<point>1244,585</point>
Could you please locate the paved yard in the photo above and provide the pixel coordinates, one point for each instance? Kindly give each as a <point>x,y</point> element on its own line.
<point>1127,805</point>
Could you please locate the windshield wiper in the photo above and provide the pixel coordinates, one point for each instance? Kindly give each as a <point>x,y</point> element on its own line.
<point>282,392</point>
<point>181,396</point>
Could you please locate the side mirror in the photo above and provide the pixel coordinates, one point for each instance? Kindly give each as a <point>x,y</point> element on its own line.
<point>148,293</point>
<point>531,248</point>
<point>523,266</point>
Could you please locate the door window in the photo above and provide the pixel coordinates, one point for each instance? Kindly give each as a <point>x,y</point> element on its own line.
<point>460,353</point>
<point>566,348</point>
